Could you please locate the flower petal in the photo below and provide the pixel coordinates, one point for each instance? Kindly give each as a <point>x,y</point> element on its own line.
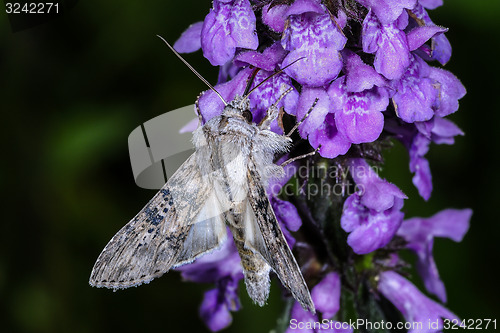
<point>420,35</point>
<point>267,60</point>
<point>211,105</point>
<point>215,313</point>
<point>440,49</point>
<point>215,265</point>
<point>387,11</point>
<point>333,143</point>
<point>449,223</point>
<point>370,230</point>
<point>317,116</point>
<point>444,131</point>
<point>360,76</point>
<point>268,93</point>
<point>358,114</point>
<point>305,318</point>
<point>326,295</point>
<point>389,44</point>
<point>315,38</point>
<point>420,233</point>
<point>431,4</point>
<point>190,40</point>
<point>450,91</point>
<point>274,16</point>
<point>413,305</point>
<point>287,213</point>
<point>376,193</point>
<point>420,166</point>
<point>226,27</point>
<point>423,177</point>
<point>415,93</point>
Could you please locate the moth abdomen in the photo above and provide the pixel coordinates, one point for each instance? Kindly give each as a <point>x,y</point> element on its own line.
<point>255,269</point>
<point>257,281</point>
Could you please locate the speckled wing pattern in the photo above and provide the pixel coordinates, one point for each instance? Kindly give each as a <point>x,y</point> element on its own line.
<point>269,241</point>
<point>176,226</point>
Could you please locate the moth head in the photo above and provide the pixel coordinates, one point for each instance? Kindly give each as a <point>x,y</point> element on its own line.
<point>239,107</point>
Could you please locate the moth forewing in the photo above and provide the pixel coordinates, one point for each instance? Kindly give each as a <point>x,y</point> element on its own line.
<point>151,243</point>
<point>268,240</point>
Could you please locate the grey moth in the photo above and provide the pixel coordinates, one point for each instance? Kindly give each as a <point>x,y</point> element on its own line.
<point>220,186</point>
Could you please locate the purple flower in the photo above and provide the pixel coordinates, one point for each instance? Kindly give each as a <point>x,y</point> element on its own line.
<point>268,60</point>
<point>269,93</point>
<point>387,11</point>
<point>371,216</point>
<point>415,93</point>
<point>315,37</point>
<point>229,25</point>
<point>288,218</point>
<point>217,303</point>
<point>389,43</point>
<point>369,230</point>
<point>326,298</point>
<point>437,130</point>
<point>440,48</point>
<point>222,267</point>
<point>275,16</point>
<point>326,295</point>
<point>304,6</point>
<point>349,73</point>
<point>333,143</point>
<point>261,98</point>
<point>419,35</point>
<point>444,131</point>
<point>227,72</point>
<point>376,193</point>
<point>420,232</point>
<point>413,305</point>
<point>358,114</point>
<point>215,265</point>
<point>420,166</point>
<point>450,90</point>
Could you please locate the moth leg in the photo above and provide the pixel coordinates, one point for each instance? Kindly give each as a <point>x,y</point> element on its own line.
<point>303,118</point>
<point>273,112</point>
<point>198,111</point>
<point>300,157</point>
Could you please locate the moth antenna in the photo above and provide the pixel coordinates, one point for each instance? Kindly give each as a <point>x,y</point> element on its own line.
<point>270,76</point>
<point>192,69</point>
<point>250,80</point>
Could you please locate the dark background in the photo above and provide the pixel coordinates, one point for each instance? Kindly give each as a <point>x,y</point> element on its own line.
<point>72,89</point>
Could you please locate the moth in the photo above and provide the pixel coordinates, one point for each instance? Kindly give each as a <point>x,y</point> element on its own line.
<point>221,184</point>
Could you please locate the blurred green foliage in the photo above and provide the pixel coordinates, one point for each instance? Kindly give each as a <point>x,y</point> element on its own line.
<point>71,90</point>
